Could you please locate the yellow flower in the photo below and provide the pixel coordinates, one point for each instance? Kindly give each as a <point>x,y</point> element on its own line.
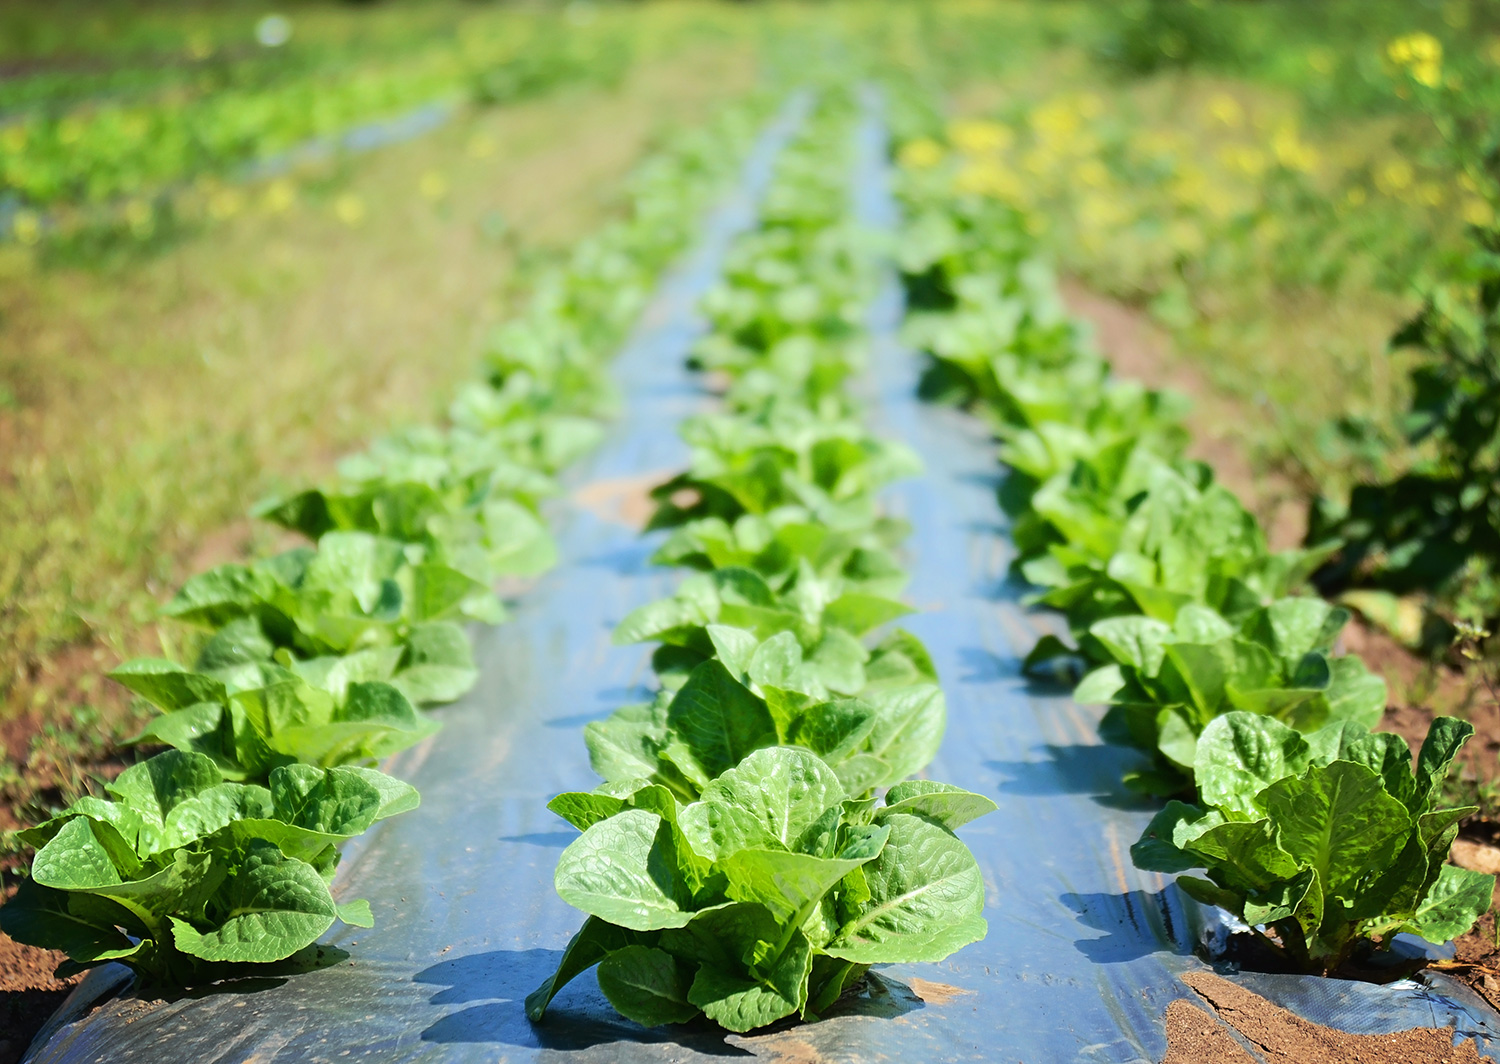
<point>1037,161</point>
<point>990,179</point>
<point>1420,55</point>
<point>1492,52</point>
<point>1093,173</point>
<point>27,226</point>
<point>921,154</point>
<point>978,137</point>
<point>1225,110</point>
<point>1414,48</point>
<point>1056,121</point>
<point>349,209</point>
<point>1243,159</point>
<point>1431,193</point>
<point>1291,152</point>
<point>1395,176</point>
<point>481,146</point>
<point>279,197</point>
<point>433,185</point>
<point>200,46</point>
<point>1355,196</point>
<point>1478,212</point>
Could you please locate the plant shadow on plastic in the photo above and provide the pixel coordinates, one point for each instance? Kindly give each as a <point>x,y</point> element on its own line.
<point>1136,924</point>
<point>239,979</point>
<point>497,980</point>
<point>1093,770</point>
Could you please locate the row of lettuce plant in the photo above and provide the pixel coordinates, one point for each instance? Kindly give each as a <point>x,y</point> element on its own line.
<point>737,862</point>
<point>137,144</point>
<point>1317,833</point>
<point>315,663</point>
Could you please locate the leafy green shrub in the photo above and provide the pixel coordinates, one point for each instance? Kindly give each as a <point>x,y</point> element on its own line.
<point>1331,840</point>
<point>767,896</point>
<point>469,506</point>
<point>1144,36</point>
<point>1436,528</point>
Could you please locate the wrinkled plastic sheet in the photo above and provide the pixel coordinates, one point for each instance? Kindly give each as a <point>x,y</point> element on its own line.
<point>1083,952</point>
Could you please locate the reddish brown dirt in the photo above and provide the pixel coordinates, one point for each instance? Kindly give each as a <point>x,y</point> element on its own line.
<point>1420,690</point>
<point>1280,1037</point>
<point>623,500</point>
<point>1476,957</point>
<point>1197,1037</point>
<point>28,994</point>
<point>936,993</point>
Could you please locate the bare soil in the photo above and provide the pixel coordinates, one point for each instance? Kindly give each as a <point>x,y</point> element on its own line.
<point>28,993</point>
<point>624,500</point>
<point>1269,1034</point>
<point>1476,955</point>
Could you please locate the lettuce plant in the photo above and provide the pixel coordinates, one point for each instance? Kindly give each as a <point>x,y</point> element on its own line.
<point>253,718</point>
<point>743,465</point>
<point>826,621</point>
<point>754,694</point>
<point>1323,842</point>
<point>497,536</point>
<point>765,898</point>
<point>178,873</point>
<point>1181,542</point>
<point>354,592</point>
<point>1166,683</point>
<point>776,545</point>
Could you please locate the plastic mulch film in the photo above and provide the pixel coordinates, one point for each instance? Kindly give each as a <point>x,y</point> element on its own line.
<point>1083,954</point>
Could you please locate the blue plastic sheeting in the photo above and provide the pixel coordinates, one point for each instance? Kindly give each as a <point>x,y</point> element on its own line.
<point>1083,952</point>
<point>365,137</point>
<point>356,140</point>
